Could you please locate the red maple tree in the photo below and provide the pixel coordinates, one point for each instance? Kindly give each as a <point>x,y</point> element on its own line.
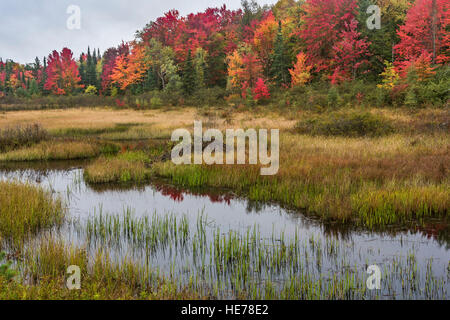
<point>62,73</point>
<point>416,35</point>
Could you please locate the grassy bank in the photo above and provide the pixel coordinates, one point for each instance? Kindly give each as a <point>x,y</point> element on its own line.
<point>374,182</point>
<point>54,150</point>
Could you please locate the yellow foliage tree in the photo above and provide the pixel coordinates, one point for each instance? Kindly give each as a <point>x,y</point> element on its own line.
<point>301,73</point>
<point>390,76</point>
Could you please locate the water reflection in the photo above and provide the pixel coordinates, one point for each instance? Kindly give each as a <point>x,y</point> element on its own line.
<point>225,213</point>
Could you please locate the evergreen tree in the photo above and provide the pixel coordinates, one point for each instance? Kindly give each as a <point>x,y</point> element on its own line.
<point>151,81</point>
<point>82,70</point>
<point>200,66</point>
<point>382,41</point>
<point>94,58</point>
<point>281,63</point>
<point>36,67</point>
<point>189,75</point>
<point>91,72</point>
<point>33,88</point>
<point>44,77</point>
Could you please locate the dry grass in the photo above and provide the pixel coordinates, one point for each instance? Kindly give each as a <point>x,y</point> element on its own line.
<point>53,150</point>
<point>113,170</point>
<point>159,119</point>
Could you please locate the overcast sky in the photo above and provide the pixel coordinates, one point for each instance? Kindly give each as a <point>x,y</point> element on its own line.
<point>30,28</point>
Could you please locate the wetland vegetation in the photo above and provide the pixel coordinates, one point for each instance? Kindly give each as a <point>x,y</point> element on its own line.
<point>391,187</point>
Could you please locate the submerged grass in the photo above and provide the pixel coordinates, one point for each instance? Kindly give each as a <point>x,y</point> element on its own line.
<point>45,267</point>
<point>204,261</point>
<point>26,210</point>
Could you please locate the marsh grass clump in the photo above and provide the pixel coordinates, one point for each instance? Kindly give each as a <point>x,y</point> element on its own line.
<point>21,136</point>
<point>25,210</point>
<point>6,270</point>
<point>386,207</point>
<point>128,167</point>
<point>146,232</point>
<point>345,123</point>
<point>54,150</point>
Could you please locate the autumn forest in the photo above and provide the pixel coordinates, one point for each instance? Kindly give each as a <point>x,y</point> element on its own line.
<point>256,51</point>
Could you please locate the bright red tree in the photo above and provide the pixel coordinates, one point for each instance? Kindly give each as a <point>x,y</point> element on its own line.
<point>416,35</point>
<point>350,53</point>
<point>260,91</point>
<point>62,73</point>
<point>332,43</point>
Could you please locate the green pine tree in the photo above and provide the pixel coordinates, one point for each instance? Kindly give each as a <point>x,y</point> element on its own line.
<point>189,75</point>
<point>82,71</point>
<point>281,64</point>
<point>91,72</point>
<point>44,77</point>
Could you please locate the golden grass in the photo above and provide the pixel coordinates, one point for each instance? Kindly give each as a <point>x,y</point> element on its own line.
<point>113,170</point>
<point>53,150</point>
<point>158,119</point>
<point>321,174</point>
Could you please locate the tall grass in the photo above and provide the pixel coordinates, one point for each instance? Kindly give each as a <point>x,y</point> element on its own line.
<point>21,136</point>
<point>83,132</point>
<point>45,265</point>
<point>54,150</point>
<point>129,167</point>
<point>26,210</point>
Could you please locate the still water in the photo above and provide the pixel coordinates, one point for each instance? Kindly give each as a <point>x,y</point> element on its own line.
<point>328,249</point>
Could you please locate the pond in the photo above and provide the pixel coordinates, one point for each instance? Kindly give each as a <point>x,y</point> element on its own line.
<point>232,247</point>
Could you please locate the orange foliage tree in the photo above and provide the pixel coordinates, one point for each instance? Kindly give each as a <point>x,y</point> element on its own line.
<point>301,73</point>
<point>130,69</point>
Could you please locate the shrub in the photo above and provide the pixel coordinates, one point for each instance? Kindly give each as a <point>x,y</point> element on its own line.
<point>156,102</point>
<point>350,124</point>
<point>13,138</point>
<point>91,90</point>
